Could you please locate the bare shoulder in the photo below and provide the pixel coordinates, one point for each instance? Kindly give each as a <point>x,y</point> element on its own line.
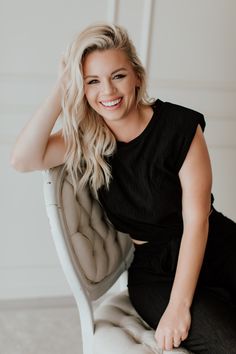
<point>196,177</point>
<point>197,155</point>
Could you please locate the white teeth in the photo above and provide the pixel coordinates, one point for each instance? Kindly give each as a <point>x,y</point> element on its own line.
<point>111,103</point>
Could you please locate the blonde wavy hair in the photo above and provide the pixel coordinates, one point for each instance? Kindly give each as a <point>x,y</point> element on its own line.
<point>89,140</point>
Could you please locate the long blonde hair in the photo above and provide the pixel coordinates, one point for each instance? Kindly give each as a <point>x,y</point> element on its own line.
<point>89,140</point>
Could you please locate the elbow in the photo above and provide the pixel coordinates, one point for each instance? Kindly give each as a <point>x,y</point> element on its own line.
<point>196,219</point>
<point>19,164</point>
<point>197,225</point>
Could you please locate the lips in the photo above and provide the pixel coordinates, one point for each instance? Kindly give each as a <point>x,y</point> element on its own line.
<point>111,103</point>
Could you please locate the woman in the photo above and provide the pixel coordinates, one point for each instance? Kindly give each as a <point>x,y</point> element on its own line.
<point>147,163</point>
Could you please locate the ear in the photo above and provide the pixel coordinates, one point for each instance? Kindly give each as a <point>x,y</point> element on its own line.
<point>138,81</point>
<point>137,88</point>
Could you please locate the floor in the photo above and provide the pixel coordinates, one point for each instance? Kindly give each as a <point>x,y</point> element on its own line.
<point>40,327</point>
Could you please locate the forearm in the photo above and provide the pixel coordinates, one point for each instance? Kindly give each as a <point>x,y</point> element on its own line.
<point>190,260</point>
<point>31,143</point>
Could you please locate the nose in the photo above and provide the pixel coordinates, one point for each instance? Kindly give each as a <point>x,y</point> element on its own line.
<point>108,87</point>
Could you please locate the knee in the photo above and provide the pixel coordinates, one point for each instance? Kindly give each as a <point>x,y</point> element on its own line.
<point>220,343</point>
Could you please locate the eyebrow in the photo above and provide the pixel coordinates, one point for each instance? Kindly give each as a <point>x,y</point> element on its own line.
<point>114,72</point>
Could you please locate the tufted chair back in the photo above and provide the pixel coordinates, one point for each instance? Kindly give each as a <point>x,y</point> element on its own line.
<point>99,254</point>
<point>93,255</point>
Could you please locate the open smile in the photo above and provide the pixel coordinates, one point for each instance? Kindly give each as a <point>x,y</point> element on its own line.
<point>111,103</point>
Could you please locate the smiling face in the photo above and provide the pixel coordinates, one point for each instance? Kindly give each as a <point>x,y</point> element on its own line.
<point>110,84</point>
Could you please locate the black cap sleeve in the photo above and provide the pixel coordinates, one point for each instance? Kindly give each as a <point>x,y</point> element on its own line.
<point>184,122</point>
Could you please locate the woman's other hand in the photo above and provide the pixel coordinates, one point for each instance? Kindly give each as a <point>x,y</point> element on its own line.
<point>173,327</point>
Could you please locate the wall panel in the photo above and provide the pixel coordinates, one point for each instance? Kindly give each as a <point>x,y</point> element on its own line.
<point>189,50</point>
<point>33,36</point>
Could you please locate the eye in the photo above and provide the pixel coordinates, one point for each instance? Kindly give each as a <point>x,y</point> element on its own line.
<point>92,82</point>
<point>119,76</point>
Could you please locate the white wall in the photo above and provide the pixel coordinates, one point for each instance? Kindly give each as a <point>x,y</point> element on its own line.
<point>189,48</point>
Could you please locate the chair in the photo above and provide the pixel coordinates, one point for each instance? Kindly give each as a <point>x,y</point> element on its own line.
<point>93,256</point>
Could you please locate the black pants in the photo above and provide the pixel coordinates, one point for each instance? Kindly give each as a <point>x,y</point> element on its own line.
<point>150,279</point>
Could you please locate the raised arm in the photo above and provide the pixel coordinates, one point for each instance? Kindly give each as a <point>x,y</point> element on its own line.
<point>36,148</point>
<point>196,181</point>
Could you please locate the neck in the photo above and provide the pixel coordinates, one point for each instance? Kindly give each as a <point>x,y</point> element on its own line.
<point>132,126</point>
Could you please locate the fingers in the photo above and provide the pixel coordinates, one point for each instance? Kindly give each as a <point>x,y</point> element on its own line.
<point>166,342</point>
<point>176,342</point>
<point>161,342</point>
<point>184,335</point>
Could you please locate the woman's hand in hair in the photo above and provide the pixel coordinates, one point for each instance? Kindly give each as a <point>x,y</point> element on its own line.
<point>62,72</point>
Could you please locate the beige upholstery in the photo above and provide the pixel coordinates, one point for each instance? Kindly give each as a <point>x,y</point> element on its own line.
<point>93,255</point>
<point>119,329</point>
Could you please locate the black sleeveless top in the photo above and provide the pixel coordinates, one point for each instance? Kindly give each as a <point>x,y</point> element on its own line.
<point>145,196</point>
